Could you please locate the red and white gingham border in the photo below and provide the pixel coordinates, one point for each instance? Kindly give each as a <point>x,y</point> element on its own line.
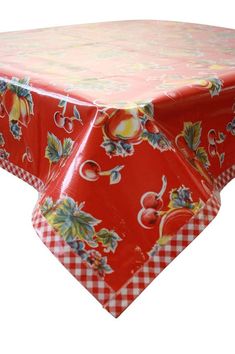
<point>164,256</point>
<point>225,178</point>
<point>117,302</point>
<point>22,174</point>
<point>78,268</point>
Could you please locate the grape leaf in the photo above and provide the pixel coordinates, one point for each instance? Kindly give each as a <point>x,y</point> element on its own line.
<point>203,157</point>
<point>71,221</point>
<point>109,239</point>
<point>67,147</point>
<point>62,103</point>
<point>192,134</point>
<point>47,205</point>
<point>54,148</point>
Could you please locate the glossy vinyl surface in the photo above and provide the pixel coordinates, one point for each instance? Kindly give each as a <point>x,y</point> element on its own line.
<point>128,127</point>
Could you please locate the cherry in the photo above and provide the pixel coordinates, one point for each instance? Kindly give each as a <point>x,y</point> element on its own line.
<point>151,127</point>
<point>68,125</point>
<point>212,136</point>
<point>29,155</point>
<point>59,119</point>
<point>148,218</point>
<point>212,149</point>
<point>90,170</point>
<point>151,200</point>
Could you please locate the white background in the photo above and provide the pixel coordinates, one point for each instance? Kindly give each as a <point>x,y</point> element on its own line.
<point>189,308</point>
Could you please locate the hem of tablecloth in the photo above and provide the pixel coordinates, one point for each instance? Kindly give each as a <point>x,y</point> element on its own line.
<point>115,302</point>
<point>167,253</point>
<point>26,176</point>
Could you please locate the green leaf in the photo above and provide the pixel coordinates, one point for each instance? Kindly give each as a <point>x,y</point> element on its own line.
<point>109,239</point>
<point>85,218</point>
<point>76,113</point>
<point>29,99</point>
<point>203,157</point>
<point>221,158</point>
<point>54,148</point>
<point>217,85</point>
<point>70,220</point>
<point>147,109</point>
<point>192,134</point>
<point>47,205</point>
<point>163,240</point>
<point>157,140</point>
<point>62,103</point>
<point>67,147</point>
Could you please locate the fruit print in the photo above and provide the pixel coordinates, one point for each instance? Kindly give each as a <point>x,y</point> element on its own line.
<point>27,156</point>
<point>153,199</point>
<point>151,203</point>
<point>148,218</point>
<point>167,220</point>
<point>65,122</point>
<point>188,142</point>
<point>124,128</point>
<point>172,221</point>
<point>4,154</point>
<point>17,104</point>
<point>91,171</point>
<point>231,127</point>
<point>215,139</point>
<point>214,85</point>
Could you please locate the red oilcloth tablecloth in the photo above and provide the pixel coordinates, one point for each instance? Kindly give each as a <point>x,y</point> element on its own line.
<point>127,131</point>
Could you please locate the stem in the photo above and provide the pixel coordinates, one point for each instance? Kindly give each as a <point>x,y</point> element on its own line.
<point>163,189</point>
<point>49,172</point>
<point>65,107</point>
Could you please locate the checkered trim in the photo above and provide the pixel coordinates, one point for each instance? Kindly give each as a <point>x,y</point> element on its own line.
<point>164,256</point>
<point>225,178</point>
<point>22,174</point>
<point>117,302</point>
<point>78,268</point>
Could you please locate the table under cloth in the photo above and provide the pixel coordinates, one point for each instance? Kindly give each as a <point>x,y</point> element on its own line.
<point>127,131</point>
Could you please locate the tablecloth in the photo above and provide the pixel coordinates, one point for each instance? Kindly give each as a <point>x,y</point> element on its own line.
<point>127,131</point>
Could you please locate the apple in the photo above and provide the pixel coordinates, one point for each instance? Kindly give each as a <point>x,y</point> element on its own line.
<point>123,125</point>
<point>148,218</point>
